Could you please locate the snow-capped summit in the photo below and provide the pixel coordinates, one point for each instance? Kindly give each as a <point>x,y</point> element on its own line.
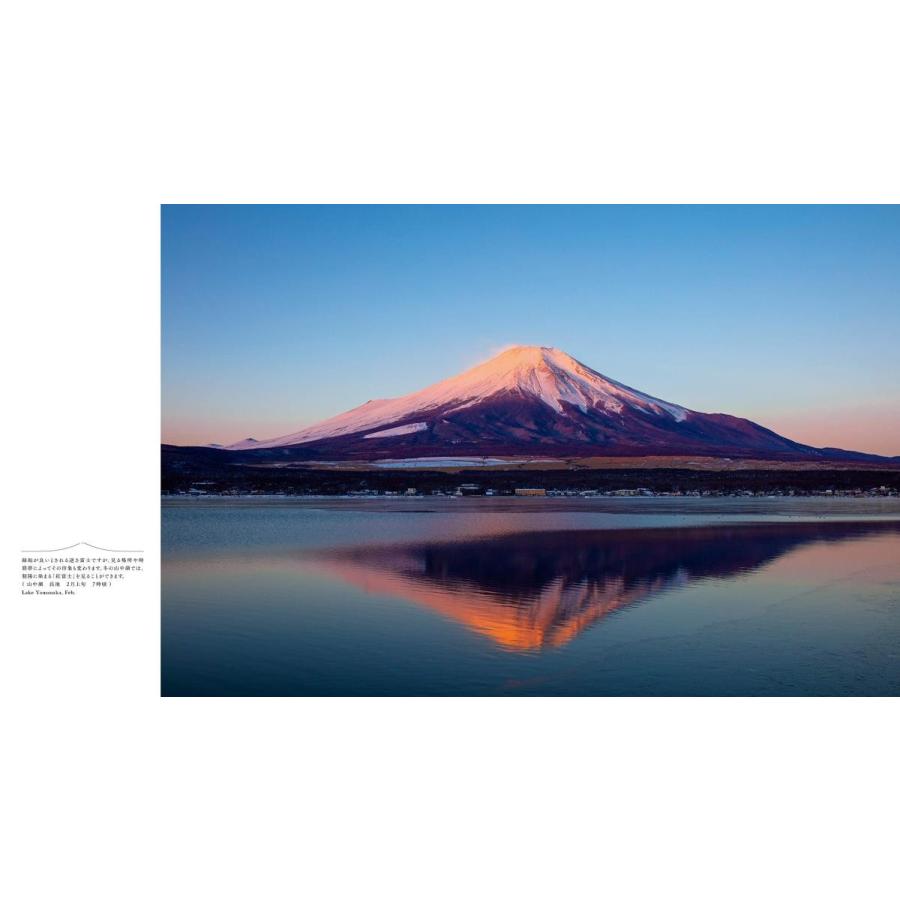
<point>555,378</point>
<point>526,400</point>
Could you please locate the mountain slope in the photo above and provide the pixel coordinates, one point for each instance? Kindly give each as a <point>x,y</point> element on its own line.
<point>533,400</point>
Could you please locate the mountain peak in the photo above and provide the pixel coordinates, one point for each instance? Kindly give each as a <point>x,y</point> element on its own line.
<point>526,372</point>
<point>525,349</point>
<point>514,362</point>
<point>529,399</point>
<point>530,355</point>
<point>555,377</point>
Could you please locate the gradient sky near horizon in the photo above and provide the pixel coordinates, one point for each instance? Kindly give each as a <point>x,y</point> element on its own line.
<point>275,317</point>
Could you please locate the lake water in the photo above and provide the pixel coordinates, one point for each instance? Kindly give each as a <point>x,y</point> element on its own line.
<point>531,596</point>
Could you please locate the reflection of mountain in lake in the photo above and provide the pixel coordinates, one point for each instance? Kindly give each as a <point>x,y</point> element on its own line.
<point>533,590</point>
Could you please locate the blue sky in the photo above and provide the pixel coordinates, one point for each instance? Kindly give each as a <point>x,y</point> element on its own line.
<point>278,316</point>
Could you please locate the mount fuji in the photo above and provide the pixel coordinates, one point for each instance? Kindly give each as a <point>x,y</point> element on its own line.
<point>534,401</point>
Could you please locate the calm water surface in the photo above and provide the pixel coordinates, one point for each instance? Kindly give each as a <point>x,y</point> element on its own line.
<point>494,596</point>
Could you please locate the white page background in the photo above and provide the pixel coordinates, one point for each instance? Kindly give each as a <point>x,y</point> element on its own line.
<point>110,110</point>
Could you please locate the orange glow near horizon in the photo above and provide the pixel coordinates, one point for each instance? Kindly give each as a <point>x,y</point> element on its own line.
<point>867,430</point>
